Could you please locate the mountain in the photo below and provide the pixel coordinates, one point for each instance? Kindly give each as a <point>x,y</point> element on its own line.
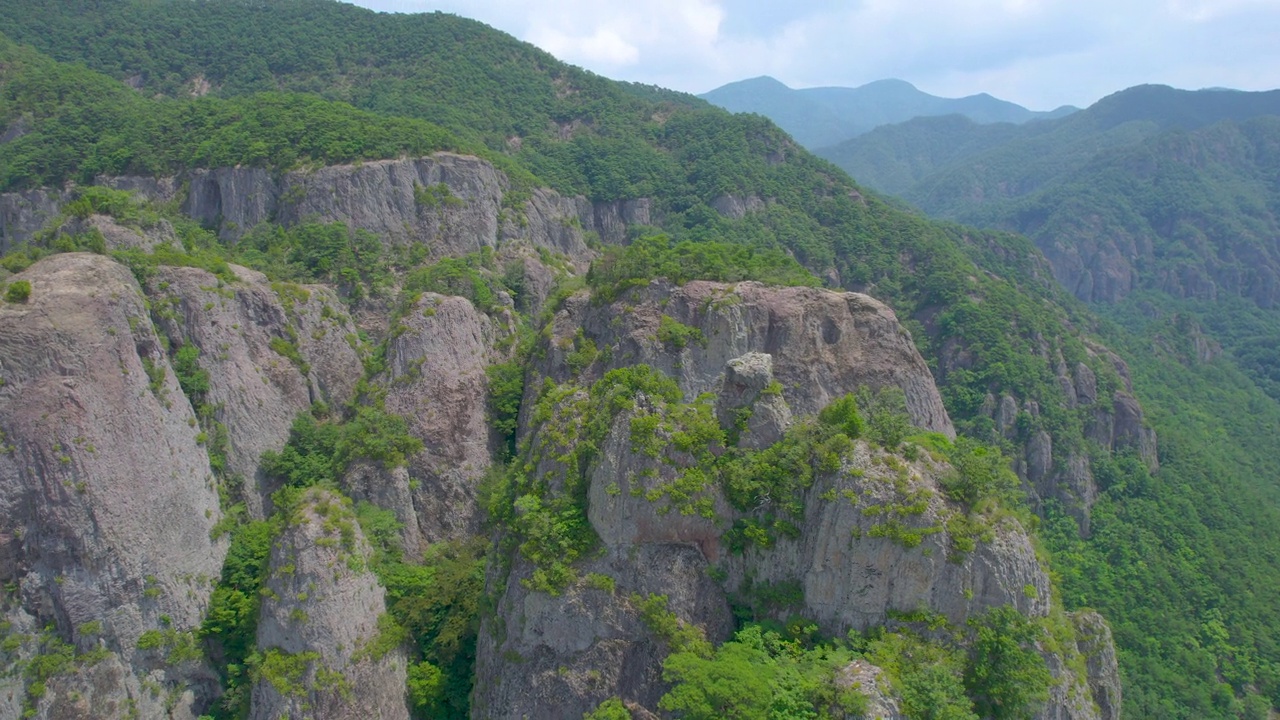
<point>965,161</point>
<point>433,377</point>
<point>818,117</point>
<point>1152,190</point>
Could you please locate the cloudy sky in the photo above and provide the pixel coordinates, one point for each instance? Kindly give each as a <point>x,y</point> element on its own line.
<point>1040,53</point>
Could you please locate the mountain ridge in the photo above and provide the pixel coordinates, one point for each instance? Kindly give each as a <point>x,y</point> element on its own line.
<point>822,116</point>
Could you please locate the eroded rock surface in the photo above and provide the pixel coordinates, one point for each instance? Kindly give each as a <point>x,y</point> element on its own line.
<point>436,379</point>
<point>107,498</point>
<point>319,623</point>
<point>823,344</point>
<point>244,331</point>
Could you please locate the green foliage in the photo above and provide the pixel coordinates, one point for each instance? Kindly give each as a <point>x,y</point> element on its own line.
<point>552,531</point>
<point>758,674</point>
<point>354,260</point>
<point>679,636</point>
<point>464,277</point>
<point>658,256</point>
<point>426,689</point>
<point>286,671</point>
<point>677,336</point>
<point>19,291</point>
<point>888,423</point>
<point>928,675</point>
<point>980,472</point>
<point>193,379</point>
<point>611,709</point>
<point>506,392</point>
<point>437,605</point>
<point>1174,557</point>
<point>842,414</point>
<point>86,124</point>
<point>230,626</point>
<point>1006,676</point>
<point>319,451</point>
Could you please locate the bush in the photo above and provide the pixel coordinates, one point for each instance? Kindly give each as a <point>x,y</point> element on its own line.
<point>19,291</point>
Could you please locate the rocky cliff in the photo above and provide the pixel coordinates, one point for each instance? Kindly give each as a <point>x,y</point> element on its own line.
<point>874,539</point>
<point>270,352</point>
<point>127,407</point>
<point>436,378</point>
<point>107,498</point>
<point>319,628</point>
<point>823,344</point>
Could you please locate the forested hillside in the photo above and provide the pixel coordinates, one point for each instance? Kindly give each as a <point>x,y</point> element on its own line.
<point>1180,559</point>
<point>1159,206</point>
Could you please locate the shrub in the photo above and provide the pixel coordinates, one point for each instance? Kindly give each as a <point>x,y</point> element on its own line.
<point>19,291</point>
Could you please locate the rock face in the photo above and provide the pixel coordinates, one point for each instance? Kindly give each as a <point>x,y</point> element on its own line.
<point>874,540</point>
<point>22,214</point>
<point>436,379</point>
<point>452,203</point>
<point>240,330</point>
<point>1094,639</point>
<point>823,344</point>
<point>319,623</point>
<point>870,681</point>
<point>590,643</point>
<point>1114,420</point>
<point>107,499</point>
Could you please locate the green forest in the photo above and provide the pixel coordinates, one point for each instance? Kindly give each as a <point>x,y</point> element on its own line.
<point>1182,562</point>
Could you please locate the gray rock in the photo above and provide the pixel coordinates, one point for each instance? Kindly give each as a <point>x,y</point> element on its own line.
<point>23,214</point>
<point>736,207</point>
<point>320,609</point>
<point>870,680</point>
<point>232,199</point>
<point>257,392</point>
<point>436,379</point>
<point>547,657</point>
<point>1094,640</point>
<point>106,497</point>
<point>824,344</point>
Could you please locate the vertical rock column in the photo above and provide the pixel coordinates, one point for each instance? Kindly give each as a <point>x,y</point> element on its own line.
<point>319,625</point>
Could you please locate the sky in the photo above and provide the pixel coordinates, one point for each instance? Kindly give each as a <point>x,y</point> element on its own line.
<point>1038,53</point>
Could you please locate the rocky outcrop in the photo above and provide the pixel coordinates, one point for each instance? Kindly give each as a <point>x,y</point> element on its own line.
<point>436,379</point>
<point>736,207</point>
<point>1114,421</point>
<point>455,204</point>
<point>245,332</point>
<point>546,656</point>
<point>107,498</point>
<point>23,214</point>
<point>874,541</point>
<point>870,680</point>
<point>823,344</point>
<point>319,628</point>
<point>1093,637</point>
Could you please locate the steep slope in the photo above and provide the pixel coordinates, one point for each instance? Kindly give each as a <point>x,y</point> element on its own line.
<point>823,116</point>
<point>667,535</point>
<point>108,501</point>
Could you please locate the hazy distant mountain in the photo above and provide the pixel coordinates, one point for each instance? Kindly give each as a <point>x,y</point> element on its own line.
<point>951,167</point>
<point>818,117</point>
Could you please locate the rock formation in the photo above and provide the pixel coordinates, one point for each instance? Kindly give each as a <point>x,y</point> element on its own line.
<point>319,628</point>
<point>107,499</point>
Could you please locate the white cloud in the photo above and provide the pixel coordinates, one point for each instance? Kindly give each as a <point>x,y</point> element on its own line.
<point>1041,53</point>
